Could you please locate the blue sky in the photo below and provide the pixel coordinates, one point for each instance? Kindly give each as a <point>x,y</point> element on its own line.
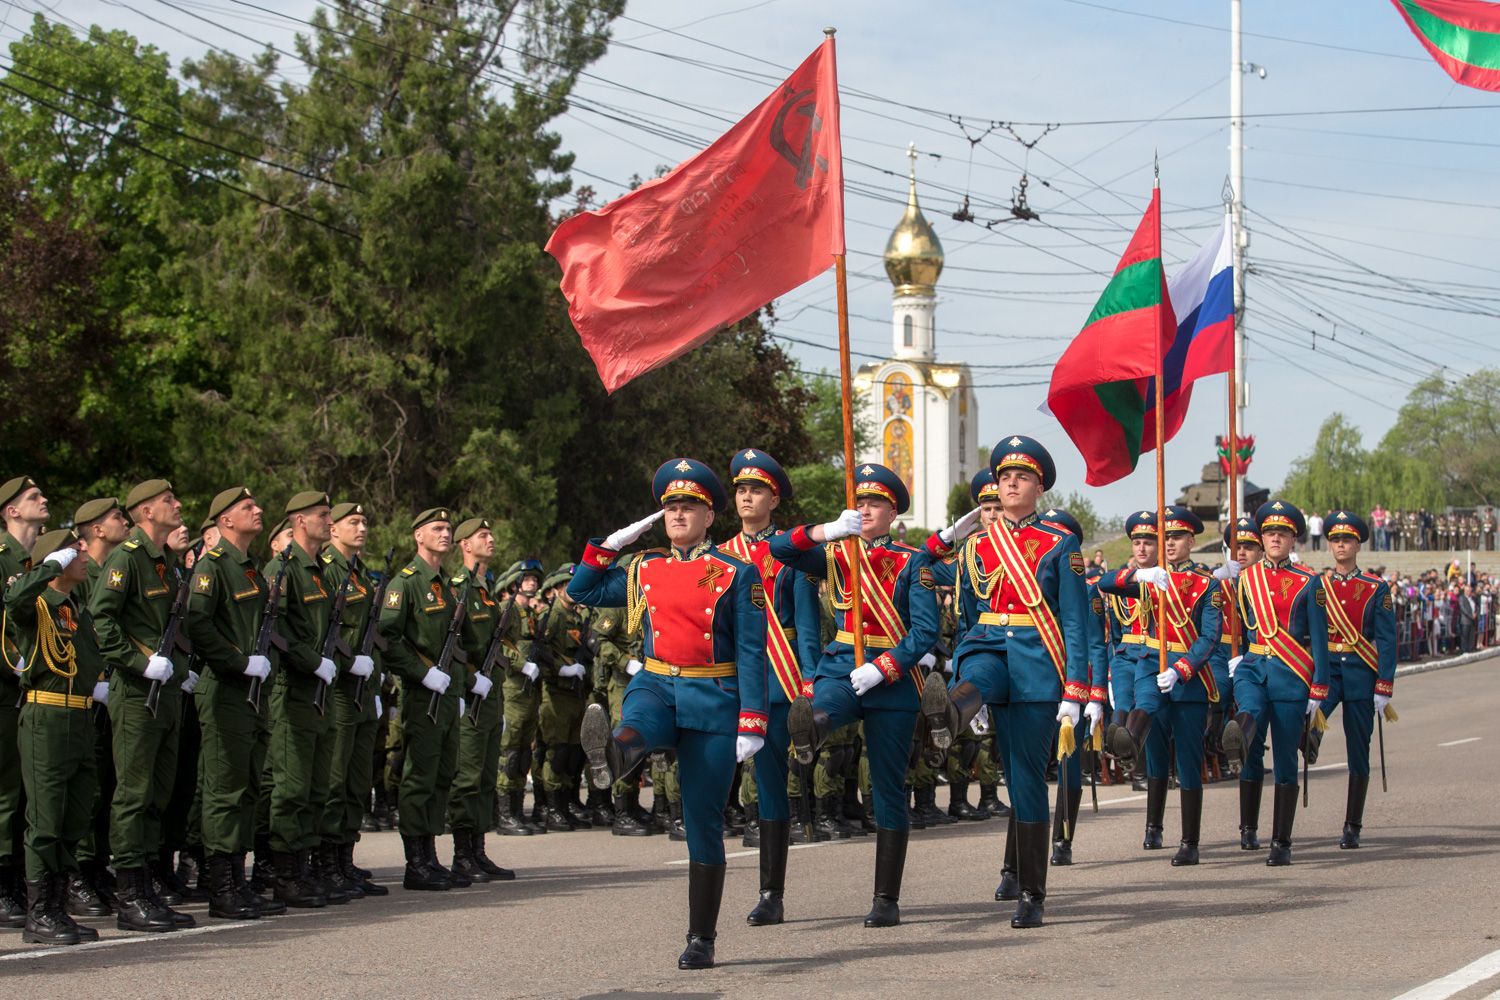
<point>1374,235</point>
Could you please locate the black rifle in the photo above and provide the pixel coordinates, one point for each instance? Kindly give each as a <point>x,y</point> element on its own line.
<point>169,634</point>
<point>266,637</point>
<point>492,653</point>
<point>544,656</point>
<point>451,651</point>
<point>371,638</point>
<point>333,641</point>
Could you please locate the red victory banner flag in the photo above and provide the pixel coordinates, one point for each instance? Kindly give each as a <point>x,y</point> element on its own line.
<point>1462,35</point>
<point>1102,388</point>
<point>657,272</point>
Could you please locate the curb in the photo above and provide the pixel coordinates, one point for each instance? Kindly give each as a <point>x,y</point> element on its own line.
<point>1453,661</point>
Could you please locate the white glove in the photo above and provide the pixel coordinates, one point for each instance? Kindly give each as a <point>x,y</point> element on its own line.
<point>846,524</point>
<point>326,671</point>
<point>634,667</point>
<point>62,557</point>
<point>746,747</point>
<point>866,678</point>
<point>619,539</point>
<point>1153,576</point>
<point>981,723</point>
<point>461,706</point>
<point>1312,705</point>
<point>530,671</point>
<point>1094,712</point>
<point>960,529</point>
<point>1228,571</point>
<point>101,693</point>
<point>1294,558</point>
<point>363,666</point>
<point>158,668</point>
<point>571,670</point>
<point>258,667</point>
<point>20,667</point>
<point>928,661</point>
<point>1234,664</point>
<point>190,683</point>
<point>1069,710</point>
<point>482,685</point>
<point>1381,700</point>
<point>435,680</point>
<point>379,707</point>
<point>1167,680</point>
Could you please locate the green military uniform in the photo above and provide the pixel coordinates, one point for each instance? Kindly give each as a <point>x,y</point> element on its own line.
<point>86,894</point>
<point>57,736</point>
<point>617,648</point>
<point>522,707</point>
<point>563,702</point>
<point>418,610</point>
<point>14,561</point>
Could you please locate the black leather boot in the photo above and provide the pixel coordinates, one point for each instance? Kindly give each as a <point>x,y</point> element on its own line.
<point>266,907</point>
<point>263,874</point>
<point>357,875</point>
<point>138,909</point>
<point>958,802</point>
<point>1128,741</point>
<point>890,863</point>
<point>179,918</point>
<point>678,830</point>
<point>555,820</point>
<point>601,811</point>
<point>609,755</point>
<point>292,885</point>
<point>1031,854</point>
<point>163,879</point>
<point>1010,884</point>
<point>1239,733</point>
<point>626,824</point>
<point>775,841</point>
<point>58,894</point>
<point>1250,815</point>
<point>1075,799</point>
<point>1284,811</point>
<point>224,899</point>
<point>510,823</point>
<point>989,802</point>
<point>914,814</point>
<point>83,898</point>
<point>751,836</point>
<point>464,862</point>
<point>330,874</point>
<point>46,923</point>
<point>1156,807</point>
<point>948,712</point>
<point>1354,812</point>
<point>927,802</point>
<point>190,874</point>
<point>829,810</point>
<point>13,901</point>
<point>429,847</point>
<point>705,892</point>
<point>808,727</point>
<point>1192,822</point>
<point>494,871</point>
<point>419,875</point>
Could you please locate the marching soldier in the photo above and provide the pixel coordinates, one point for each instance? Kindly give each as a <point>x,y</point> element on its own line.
<point>898,602</point>
<point>565,688</point>
<point>1171,704</point>
<point>1027,655</point>
<point>130,607</point>
<point>1130,623</point>
<point>1361,658</point>
<point>478,739</point>
<point>355,699</point>
<point>416,620</point>
<point>62,672</point>
<point>521,705</point>
<point>760,485</point>
<point>702,692</point>
<point>1243,543</point>
<point>1283,676</point>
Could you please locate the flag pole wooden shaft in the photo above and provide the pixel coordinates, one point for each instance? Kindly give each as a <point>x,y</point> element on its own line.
<point>1234,500</point>
<point>851,551</point>
<point>1161,515</point>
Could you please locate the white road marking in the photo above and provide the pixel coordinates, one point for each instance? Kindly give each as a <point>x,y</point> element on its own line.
<point>1456,982</point>
<point>1454,743</point>
<point>50,951</point>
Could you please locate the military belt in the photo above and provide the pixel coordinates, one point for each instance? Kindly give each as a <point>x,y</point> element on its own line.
<point>1009,619</point>
<point>1133,639</point>
<point>875,641</point>
<point>654,666</point>
<point>1175,647</point>
<point>1261,649</point>
<point>57,700</point>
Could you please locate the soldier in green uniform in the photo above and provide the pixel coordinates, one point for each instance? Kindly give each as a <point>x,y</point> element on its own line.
<point>617,657</point>
<point>564,697</point>
<point>130,607</point>
<point>301,736</point>
<point>415,620</point>
<point>102,526</point>
<point>225,606</point>
<point>354,702</point>
<point>522,707</point>
<point>478,740</point>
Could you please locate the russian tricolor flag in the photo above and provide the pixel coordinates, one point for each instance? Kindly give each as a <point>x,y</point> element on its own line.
<point>1202,297</point>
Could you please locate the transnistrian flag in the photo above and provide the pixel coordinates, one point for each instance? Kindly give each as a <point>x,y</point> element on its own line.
<point>1099,390</point>
<point>1462,35</point>
<point>659,271</point>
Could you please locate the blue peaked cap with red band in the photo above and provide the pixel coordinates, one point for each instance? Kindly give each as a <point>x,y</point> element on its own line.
<point>688,479</point>
<point>1065,519</point>
<point>755,466</point>
<point>1020,452</point>
<point>983,487</point>
<point>875,480</point>
<point>1280,514</point>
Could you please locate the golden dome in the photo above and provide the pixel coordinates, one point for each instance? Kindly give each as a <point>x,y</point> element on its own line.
<point>913,255</point>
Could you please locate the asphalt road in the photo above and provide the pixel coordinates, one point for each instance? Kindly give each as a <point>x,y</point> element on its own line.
<point>594,915</point>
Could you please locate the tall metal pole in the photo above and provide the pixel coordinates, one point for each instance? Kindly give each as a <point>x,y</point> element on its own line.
<point>1239,238</point>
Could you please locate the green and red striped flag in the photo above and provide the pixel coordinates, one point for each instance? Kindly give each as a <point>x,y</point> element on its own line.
<point>1462,35</point>
<point>1102,389</point>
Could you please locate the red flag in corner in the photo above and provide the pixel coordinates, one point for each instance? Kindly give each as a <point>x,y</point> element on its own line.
<point>654,274</point>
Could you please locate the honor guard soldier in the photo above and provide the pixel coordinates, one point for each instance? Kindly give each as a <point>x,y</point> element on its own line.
<point>416,621</point>
<point>1243,543</point>
<point>898,607</point>
<point>354,701</point>
<point>703,689</point>
<point>225,607</point>
<point>1130,622</point>
<point>1027,655</point>
<point>760,485</point>
<point>1283,676</point>
<point>521,701</point>
<point>1171,703</point>
<point>63,671</point>
<point>130,607</point>
<point>479,735</point>
<point>1361,657</point>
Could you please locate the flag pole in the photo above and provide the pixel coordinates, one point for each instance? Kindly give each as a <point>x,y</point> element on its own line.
<point>851,552</point>
<point>1234,494</point>
<point>1161,465</point>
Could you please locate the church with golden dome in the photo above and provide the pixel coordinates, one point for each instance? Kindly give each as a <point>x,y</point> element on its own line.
<point>922,411</point>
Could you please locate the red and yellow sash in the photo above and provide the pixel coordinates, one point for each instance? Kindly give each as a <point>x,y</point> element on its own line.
<point>1339,619</point>
<point>1180,617</point>
<point>1256,588</point>
<point>1013,564</point>
<point>875,598</point>
<point>778,644</point>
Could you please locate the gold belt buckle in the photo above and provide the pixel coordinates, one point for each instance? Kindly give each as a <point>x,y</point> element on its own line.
<point>674,670</point>
<point>1004,618</point>
<point>1339,647</point>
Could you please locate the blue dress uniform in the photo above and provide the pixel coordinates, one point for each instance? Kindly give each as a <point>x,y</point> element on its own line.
<point>1231,645</point>
<point>1361,662</point>
<point>901,624</point>
<point>703,620</point>
<point>1129,624</point>
<point>1028,651</point>
<point>1285,665</point>
<point>1177,717</point>
<point>791,638</point>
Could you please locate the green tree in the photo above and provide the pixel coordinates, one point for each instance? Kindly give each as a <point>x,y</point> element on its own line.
<point>1333,473</point>
<point>1080,506</point>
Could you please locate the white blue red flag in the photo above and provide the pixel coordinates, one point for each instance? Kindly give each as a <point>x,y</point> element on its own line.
<point>1202,297</point>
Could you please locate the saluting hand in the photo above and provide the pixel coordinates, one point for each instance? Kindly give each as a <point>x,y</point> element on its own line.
<point>619,539</point>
